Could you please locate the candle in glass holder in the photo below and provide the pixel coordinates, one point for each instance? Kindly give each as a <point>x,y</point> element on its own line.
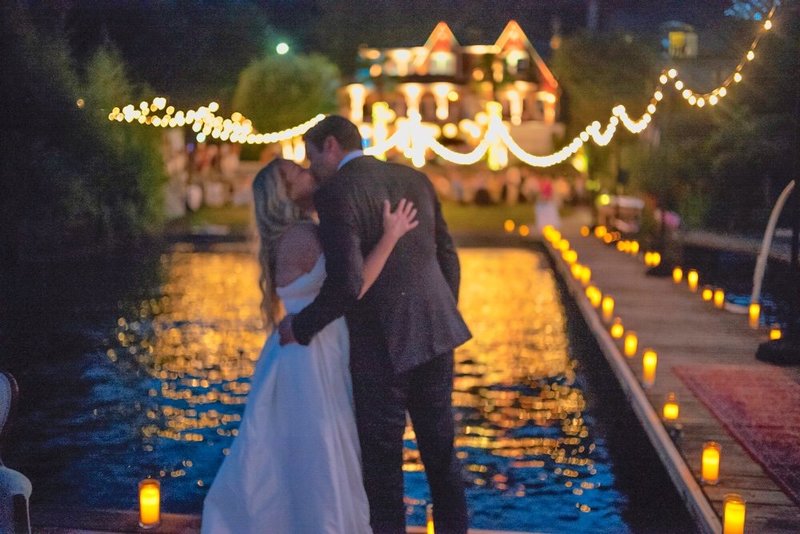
<point>710,462</point>
<point>595,296</point>
<point>692,278</point>
<point>775,332</point>
<point>671,409</point>
<point>585,231</point>
<point>677,275</point>
<point>586,276</point>
<point>656,259</point>
<point>719,299</point>
<point>707,293</point>
<point>733,514</point>
<point>649,364</point>
<point>754,313</point>
<point>429,519</point>
<point>617,330</point>
<point>631,344</point>
<point>149,503</point>
<point>600,231</point>
<point>607,306</point>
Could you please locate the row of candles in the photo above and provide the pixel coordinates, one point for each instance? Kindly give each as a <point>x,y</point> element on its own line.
<point>653,259</point>
<point>734,505</point>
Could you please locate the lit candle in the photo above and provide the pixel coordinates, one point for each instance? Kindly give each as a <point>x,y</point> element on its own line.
<point>775,332</point>
<point>754,314</point>
<point>677,275</point>
<point>648,258</point>
<point>595,296</point>
<point>600,231</point>
<point>719,299</point>
<point>509,225</point>
<point>570,256</point>
<point>692,278</point>
<point>586,276</point>
<point>710,462</point>
<point>562,245</point>
<point>617,330</point>
<point>671,408</point>
<point>656,259</point>
<point>733,514</point>
<point>429,519</point>
<point>633,248</point>
<point>707,294</point>
<point>631,344</point>
<point>524,231</point>
<point>649,364</point>
<point>149,503</point>
<point>608,308</point>
<point>576,270</point>
<point>585,231</point>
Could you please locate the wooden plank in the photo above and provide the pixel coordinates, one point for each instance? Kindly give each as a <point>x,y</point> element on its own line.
<point>683,330</point>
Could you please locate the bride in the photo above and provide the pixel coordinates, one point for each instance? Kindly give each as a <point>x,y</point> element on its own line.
<point>295,466</point>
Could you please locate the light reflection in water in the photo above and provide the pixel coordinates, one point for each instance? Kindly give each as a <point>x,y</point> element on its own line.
<point>521,431</point>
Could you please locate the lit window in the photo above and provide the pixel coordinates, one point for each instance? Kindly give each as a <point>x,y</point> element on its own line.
<point>442,63</point>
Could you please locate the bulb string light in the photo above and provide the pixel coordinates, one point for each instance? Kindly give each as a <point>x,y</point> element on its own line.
<point>413,138</point>
<point>701,99</point>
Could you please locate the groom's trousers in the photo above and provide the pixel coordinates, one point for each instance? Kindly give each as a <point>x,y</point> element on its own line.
<point>382,399</point>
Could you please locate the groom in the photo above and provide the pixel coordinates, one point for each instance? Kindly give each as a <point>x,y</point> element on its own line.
<point>402,332</point>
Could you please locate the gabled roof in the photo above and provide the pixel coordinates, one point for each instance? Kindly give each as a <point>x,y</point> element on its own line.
<point>441,39</point>
<point>513,38</point>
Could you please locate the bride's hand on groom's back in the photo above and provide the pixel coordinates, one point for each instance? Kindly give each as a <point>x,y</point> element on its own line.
<point>400,221</point>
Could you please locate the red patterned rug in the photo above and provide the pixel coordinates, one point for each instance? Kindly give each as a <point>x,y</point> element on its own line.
<point>760,406</point>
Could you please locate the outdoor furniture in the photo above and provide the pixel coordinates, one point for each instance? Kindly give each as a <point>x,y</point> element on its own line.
<point>15,488</point>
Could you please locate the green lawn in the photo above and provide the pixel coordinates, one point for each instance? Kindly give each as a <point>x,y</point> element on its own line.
<point>470,218</point>
<point>460,218</point>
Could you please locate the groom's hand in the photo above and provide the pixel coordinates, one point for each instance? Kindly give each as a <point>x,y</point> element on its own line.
<point>285,330</point>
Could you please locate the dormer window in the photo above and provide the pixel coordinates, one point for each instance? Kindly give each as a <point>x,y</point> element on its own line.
<point>442,64</point>
<point>517,61</point>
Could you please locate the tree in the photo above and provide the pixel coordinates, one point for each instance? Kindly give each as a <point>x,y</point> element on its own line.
<point>69,179</point>
<point>598,72</point>
<point>278,92</point>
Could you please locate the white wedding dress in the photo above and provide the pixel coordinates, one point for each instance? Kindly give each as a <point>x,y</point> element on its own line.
<point>295,466</point>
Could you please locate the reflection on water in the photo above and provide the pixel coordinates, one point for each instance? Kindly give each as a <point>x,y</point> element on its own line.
<point>164,393</point>
<point>531,458</point>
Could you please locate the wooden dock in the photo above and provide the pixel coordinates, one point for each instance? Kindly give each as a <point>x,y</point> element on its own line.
<point>683,330</point>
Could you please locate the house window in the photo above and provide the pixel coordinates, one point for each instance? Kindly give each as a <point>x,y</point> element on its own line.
<point>517,61</point>
<point>442,63</point>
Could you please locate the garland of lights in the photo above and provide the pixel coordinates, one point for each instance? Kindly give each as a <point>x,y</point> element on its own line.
<point>413,138</point>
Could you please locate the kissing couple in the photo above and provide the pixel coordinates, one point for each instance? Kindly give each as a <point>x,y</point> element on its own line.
<point>370,295</point>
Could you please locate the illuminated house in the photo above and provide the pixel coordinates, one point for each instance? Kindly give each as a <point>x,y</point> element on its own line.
<point>450,84</point>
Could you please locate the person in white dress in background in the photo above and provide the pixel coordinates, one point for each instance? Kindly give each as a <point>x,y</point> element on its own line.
<point>295,465</point>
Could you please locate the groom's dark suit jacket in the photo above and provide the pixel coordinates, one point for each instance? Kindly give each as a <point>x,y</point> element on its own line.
<point>410,312</point>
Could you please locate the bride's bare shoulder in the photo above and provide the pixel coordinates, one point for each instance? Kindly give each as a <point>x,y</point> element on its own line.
<point>299,249</point>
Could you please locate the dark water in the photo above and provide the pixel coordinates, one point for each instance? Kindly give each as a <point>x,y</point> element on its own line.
<point>733,272</point>
<point>140,367</point>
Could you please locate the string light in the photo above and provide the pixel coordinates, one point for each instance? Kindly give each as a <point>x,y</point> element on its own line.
<point>413,138</point>
<point>700,99</point>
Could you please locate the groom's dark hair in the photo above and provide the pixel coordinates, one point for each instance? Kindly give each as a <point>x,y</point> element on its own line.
<point>344,131</point>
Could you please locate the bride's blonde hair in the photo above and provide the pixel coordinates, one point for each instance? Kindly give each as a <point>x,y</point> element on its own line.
<point>274,213</point>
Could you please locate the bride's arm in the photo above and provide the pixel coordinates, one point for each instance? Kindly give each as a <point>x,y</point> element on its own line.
<point>395,225</point>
